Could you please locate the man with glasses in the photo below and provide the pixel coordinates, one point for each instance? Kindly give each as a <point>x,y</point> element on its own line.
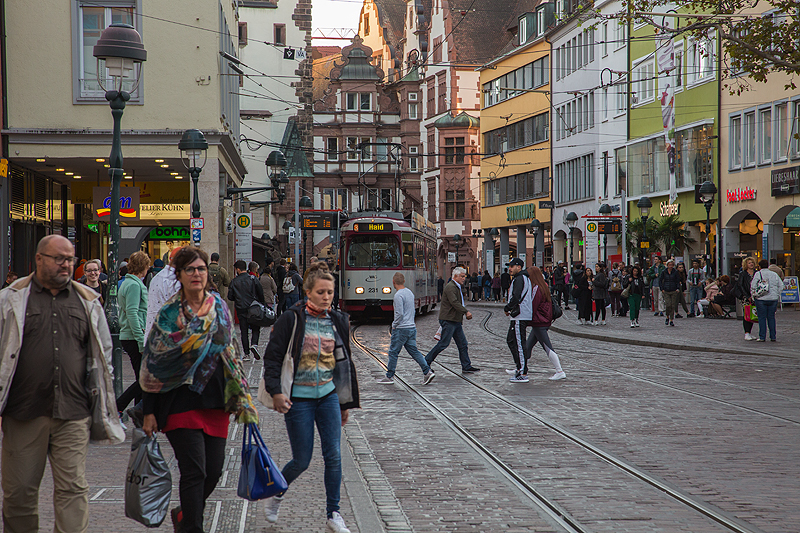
<point>44,403</point>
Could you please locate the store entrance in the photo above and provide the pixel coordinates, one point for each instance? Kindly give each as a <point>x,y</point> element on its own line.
<point>785,260</point>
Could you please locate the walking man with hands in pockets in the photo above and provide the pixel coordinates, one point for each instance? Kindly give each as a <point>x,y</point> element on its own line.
<point>404,332</point>
<point>451,313</point>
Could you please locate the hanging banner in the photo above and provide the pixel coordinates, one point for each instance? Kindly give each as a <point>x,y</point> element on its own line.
<point>665,55</point>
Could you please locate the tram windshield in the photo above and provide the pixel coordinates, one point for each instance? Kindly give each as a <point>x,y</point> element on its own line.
<point>373,251</point>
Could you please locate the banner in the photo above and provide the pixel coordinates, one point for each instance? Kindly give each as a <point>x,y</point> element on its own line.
<point>665,56</point>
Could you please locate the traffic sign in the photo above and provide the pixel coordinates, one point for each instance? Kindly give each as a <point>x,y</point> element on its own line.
<point>196,223</point>
<point>196,233</point>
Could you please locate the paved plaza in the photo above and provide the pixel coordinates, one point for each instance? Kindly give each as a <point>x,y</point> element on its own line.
<point>711,416</point>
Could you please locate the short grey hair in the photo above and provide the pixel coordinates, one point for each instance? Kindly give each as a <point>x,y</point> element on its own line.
<point>457,271</point>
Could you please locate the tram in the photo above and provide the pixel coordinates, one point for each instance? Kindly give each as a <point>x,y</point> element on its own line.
<point>376,245</point>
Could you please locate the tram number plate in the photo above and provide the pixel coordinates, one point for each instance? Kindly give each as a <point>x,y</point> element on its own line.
<point>366,227</point>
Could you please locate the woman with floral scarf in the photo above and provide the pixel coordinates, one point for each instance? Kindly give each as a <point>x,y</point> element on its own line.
<point>192,381</point>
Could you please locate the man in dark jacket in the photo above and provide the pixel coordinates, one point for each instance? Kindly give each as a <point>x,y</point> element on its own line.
<point>243,291</point>
<point>439,288</point>
<point>669,281</point>
<point>560,284</point>
<point>278,276</point>
<point>451,313</point>
<point>505,283</point>
<point>519,309</point>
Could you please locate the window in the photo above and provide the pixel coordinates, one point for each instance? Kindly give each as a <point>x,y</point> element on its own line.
<point>454,205</point>
<point>431,150</point>
<point>382,148</point>
<point>605,39</point>
<point>366,149</point>
<point>678,69</point>
<point>280,34</point>
<point>794,130</point>
<point>579,51</point>
<point>386,199</point>
<point>413,160</point>
<point>242,34</point>
<point>590,36</point>
<point>781,120</point>
<point>765,135</point>
<point>700,61</point>
<point>643,82</point>
<point>431,96</point>
<point>352,150</point>
<point>366,24</point>
<point>619,34</point>
<point>590,109</point>
<point>604,109</point>
<point>358,101</point>
<point>540,23</point>
<point>454,151</point>
<point>332,149</point>
<point>413,111</point>
<point>442,99</point>
<point>694,155</point>
<point>749,140</point>
<point>92,21</point>
<point>341,199</point>
<point>437,49</point>
<point>574,179</point>
<point>523,30</point>
<point>327,199</point>
<point>373,251</point>
<point>526,132</point>
<point>735,142</point>
<point>622,99</point>
<point>579,115</point>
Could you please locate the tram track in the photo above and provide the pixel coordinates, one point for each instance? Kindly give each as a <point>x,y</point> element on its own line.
<point>549,506</point>
<point>484,325</point>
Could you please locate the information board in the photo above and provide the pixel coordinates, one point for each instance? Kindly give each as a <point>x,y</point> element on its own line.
<point>791,292</point>
<point>606,227</point>
<point>243,234</point>
<point>319,220</point>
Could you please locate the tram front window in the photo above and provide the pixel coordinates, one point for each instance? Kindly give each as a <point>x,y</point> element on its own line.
<point>373,251</point>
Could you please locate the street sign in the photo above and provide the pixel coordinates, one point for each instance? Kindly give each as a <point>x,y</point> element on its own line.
<point>644,244</point>
<point>609,226</point>
<point>592,242</point>
<point>319,220</point>
<point>196,234</point>
<point>243,233</point>
<point>547,204</point>
<point>451,257</point>
<point>288,53</point>
<point>196,223</point>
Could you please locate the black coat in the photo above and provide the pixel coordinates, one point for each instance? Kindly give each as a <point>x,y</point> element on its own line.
<point>244,290</point>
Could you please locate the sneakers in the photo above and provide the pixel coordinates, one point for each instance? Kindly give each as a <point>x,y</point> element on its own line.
<point>678,315</point>
<point>761,340</point>
<point>633,323</point>
<point>637,322</point>
<point>271,507</point>
<point>121,423</point>
<point>671,323</point>
<point>603,323</point>
<point>661,313</point>
<point>245,357</point>
<point>580,321</point>
<point>177,517</point>
<point>655,314</point>
<point>557,376</point>
<point>428,377</point>
<point>749,337</point>
<point>666,321</point>
<point>336,524</point>
<point>518,378</point>
<point>690,315</point>
<point>470,370</point>
<point>511,371</point>
<point>386,381</point>
<point>254,351</point>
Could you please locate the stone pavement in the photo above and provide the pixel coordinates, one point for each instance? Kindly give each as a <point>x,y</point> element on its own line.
<point>695,334</point>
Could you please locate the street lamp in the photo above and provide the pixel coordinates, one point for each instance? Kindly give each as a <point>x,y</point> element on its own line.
<point>305,203</point>
<point>121,52</point>
<point>707,192</point>
<point>286,226</point>
<point>456,241</point>
<point>193,145</point>
<point>535,226</point>
<point>644,204</point>
<point>572,220</point>
<point>605,209</point>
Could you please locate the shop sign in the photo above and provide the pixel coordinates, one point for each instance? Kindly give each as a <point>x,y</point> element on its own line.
<point>785,181</point>
<point>128,203</point>
<point>793,218</point>
<point>740,194</point>
<point>168,234</point>
<point>668,209</point>
<point>164,211</point>
<point>520,212</point>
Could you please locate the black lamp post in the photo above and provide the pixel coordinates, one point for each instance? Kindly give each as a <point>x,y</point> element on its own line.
<point>120,51</point>
<point>305,203</point>
<point>286,226</point>
<point>572,220</point>
<point>477,234</point>
<point>644,204</point>
<point>193,145</point>
<point>535,227</point>
<point>456,241</point>
<point>707,192</point>
<point>605,209</point>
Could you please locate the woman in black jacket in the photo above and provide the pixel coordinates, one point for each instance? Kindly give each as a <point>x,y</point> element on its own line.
<point>584,284</point>
<point>321,390</point>
<point>636,288</point>
<point>600,294</point>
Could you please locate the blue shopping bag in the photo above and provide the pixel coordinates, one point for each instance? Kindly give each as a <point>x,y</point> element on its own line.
<point>259,477</point>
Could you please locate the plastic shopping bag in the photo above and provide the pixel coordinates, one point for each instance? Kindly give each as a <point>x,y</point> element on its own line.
<point>148,483</point>
<point>259,477</point>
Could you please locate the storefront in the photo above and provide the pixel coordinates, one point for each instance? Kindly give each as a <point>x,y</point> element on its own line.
<point>515,237</point>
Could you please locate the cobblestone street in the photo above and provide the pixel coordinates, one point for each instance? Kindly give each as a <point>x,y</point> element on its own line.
<point>715,422</point>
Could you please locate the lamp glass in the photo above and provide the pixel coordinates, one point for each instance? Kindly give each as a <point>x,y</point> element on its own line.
<point>644,210</point>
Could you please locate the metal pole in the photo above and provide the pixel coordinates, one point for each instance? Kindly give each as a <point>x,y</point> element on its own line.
<point>571,243</point>
<point>605,248</point>
<point>297,223</point>
<point>195,172</point>
<point>708,237</point>
<point>623,203</point>
<point>117,101</point>
<point>535,236</point>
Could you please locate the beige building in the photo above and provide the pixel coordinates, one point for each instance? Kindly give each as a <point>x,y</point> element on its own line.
<point>59,123</point>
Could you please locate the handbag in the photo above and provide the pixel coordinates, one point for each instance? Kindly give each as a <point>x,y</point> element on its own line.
<point>259,476</point>
<point>287,374</point>
<point>148,483</point>
<point>626,292</point>
<point>761,288</point>
<point>750,313</point>
<point>260,315</point>
<point>557,311</point>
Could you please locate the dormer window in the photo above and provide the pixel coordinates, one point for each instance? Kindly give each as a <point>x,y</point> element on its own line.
<point>523,30</point>
<point>358,102</point>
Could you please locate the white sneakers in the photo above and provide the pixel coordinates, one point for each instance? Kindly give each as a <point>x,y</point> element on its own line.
<point>633,323</point>
<point>749,337</point>
<point>271,507</point>
<point>336,524</point>
<point>558,375</point>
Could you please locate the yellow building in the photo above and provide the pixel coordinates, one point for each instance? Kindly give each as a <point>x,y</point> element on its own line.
<point>515,167</point>
<point>58,122</point>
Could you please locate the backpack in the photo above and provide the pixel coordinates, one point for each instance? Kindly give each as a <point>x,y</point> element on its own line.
<point>616,285</point>
<point>288,284</point>
<point>216,275</point>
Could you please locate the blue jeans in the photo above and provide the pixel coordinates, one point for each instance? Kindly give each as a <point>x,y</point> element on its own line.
<point>766,317</point>
<point>292,299</point>
<point>695,295</point>
<point>451,330</point>
<point>405,338</point>
<point>300,426</point>
<point>487,292</point>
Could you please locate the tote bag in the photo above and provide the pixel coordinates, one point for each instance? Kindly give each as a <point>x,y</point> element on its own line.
<point>259,476</point>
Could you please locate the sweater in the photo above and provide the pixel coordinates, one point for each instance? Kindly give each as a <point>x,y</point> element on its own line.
<point>774,281</point>
<point>403,309</point>
<point>133,310</point>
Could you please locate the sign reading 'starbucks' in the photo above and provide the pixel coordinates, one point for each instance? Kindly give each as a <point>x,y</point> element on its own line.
<point>520,212</point>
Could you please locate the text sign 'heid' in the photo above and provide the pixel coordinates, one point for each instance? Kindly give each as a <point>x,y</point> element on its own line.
<point>366,227</point>
<point>128,203</point>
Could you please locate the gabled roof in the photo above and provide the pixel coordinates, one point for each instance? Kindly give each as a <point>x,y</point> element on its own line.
<point>392,18</point>
<point>481,34</point>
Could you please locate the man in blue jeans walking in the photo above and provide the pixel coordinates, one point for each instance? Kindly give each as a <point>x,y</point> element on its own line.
<point>451,313</point>
<point>404,332</point>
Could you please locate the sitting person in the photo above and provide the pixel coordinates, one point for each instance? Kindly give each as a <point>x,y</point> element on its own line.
<point>723,297</point>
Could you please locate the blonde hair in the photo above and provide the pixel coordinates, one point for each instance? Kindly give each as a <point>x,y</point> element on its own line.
<point>749,258</point>
<point>315,272</point>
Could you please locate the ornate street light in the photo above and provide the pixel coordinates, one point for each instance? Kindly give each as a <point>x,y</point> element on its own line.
<point>193,146</point>
<point>535,227</point>
<point>572,220</point>
<point>707,192</point>
<point>119,51</point>
<point>605,209</point>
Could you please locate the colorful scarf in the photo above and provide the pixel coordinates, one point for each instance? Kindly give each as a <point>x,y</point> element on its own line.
<point>315,311</point>
<point>185,348</point>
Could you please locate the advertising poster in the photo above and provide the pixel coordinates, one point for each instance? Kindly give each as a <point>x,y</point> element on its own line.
<point>790,293</point>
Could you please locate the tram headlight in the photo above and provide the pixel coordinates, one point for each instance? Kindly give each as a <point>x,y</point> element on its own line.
<point>387,290</point>
<point>359,290</point>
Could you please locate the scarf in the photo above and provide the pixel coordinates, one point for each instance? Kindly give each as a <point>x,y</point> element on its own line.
<point>315,311</point>
<point>185,348</point>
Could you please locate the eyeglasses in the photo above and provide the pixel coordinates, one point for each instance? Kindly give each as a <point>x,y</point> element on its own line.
<point>95,271</point>
<point>192,270</point>
<point>61,259</point>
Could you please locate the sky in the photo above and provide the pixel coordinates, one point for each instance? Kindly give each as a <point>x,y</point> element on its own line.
<point>335,14</point>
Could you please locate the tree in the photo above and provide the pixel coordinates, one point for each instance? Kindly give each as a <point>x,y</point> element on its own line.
<point>672,234</point>
<point>635,234</point>
<point>756,37</point>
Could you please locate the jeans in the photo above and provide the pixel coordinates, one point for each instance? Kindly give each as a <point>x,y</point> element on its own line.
<point>616,303</point>
<point>635,303</point>
<point>487,292</point>
<point>405,338</point>
<point>766,318</point>
<point>455,331</point>
<point>134,392</point>
<point>200,461</point>
<point>560,293</point>
<point>244,327</point>
<point>695,295</point>
<point>300,422</point>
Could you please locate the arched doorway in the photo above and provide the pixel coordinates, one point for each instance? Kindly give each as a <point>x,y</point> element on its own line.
<point>748,227</point>
<point>785,238</point>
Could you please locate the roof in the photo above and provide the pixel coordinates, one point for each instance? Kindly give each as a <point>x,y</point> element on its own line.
<point>358,67</point>
<point>462,120</point>
<point>318,52</point>
<point>481,34</point>
<point>392,18</point>
<point>321,71</point>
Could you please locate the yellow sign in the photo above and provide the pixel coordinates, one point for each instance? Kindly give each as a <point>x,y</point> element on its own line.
<point>4,168</point>
<point>591,227</point>
<point>150,192</point>
<point>243,221</point>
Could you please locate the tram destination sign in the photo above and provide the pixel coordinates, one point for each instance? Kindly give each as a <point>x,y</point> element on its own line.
<point>319,220</point>
<point>609,226</point>
<point>368,227</point>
